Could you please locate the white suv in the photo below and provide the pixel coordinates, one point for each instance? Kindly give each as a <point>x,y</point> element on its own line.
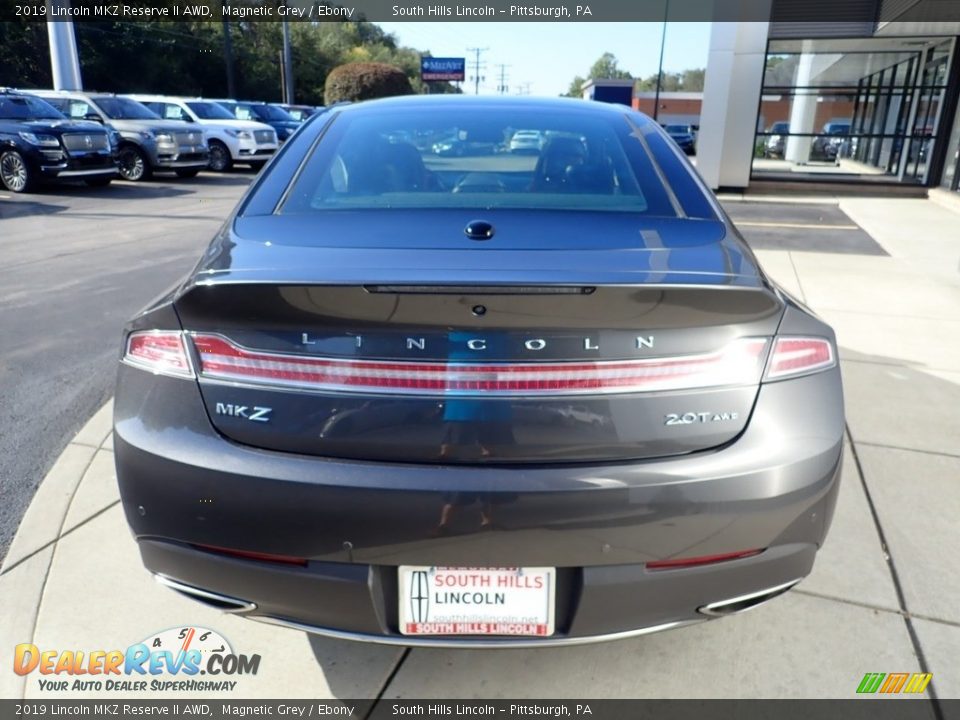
<point>230,140</point>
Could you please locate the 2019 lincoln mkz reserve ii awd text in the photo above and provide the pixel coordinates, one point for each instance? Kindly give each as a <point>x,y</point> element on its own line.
<point>488,398</point>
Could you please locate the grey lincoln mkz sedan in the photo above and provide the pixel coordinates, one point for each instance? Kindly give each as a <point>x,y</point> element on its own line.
<point>494,399</point>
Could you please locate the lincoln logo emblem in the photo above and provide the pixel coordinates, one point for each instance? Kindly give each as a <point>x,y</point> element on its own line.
<point>419,596</point>
<point>88,140</point>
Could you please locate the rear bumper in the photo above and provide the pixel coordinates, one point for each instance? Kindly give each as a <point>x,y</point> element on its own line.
<point>359,602</point>
<point>185,486</point>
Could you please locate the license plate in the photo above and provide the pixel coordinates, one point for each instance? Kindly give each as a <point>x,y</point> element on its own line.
<point>477,601</point>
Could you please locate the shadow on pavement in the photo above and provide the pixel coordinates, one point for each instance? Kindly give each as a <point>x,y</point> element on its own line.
<point>28,208</point>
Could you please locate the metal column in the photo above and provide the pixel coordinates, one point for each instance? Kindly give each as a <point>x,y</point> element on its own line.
<point>64,60</point>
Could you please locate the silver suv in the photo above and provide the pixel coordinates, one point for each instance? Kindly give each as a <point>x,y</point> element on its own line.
<point>148,142</point>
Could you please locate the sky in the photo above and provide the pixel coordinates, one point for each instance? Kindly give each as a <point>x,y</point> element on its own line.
<point>548,55</point>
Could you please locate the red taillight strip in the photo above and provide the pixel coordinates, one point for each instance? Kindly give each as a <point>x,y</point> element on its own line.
<point>799,355</point>
<point>701,560</point>
<point>250,555</point>
<point>737,364</point>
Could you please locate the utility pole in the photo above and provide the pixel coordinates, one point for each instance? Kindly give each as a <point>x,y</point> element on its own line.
<point>287,65</point>
<point>523,88</point>
<point>228,57</point>
<point>502,87</point>
<point>477,67</point>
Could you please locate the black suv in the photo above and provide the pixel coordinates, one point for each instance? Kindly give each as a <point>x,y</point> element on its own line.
<point>37,142</point>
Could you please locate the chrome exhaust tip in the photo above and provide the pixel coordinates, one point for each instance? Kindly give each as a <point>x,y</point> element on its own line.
<point>742,603</point>
<point>223,603</point>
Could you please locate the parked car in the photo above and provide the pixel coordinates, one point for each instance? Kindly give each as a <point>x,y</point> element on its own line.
<point>300,112</point>
<point>776,141</point>
<point>460,143</point>
<point>526,141</point>
<point>230,140</point>
<point>469,401</point>
<point>684,136</point>
<point>828,146</point>
<point>37,142</point>
<point>280,120</point>
<point>148,143</point>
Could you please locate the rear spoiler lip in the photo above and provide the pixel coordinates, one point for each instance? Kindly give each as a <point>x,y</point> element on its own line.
<point>502,278</point>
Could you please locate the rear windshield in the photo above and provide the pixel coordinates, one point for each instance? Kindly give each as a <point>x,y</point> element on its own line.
<point>460,158</point>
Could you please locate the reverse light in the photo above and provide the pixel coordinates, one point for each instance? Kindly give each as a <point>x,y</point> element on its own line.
<point>799,356</point>
<point>160,351</point>
<point>739,363</point>
<point>700,560</point>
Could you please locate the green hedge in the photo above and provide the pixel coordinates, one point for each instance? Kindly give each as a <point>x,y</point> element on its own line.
<point>365,81</point>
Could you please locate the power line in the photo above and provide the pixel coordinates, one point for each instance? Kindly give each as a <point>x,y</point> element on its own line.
<point>477,67</point>
<point>502,87</point>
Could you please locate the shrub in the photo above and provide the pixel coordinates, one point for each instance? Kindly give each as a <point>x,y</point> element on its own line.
<point>364,81</point>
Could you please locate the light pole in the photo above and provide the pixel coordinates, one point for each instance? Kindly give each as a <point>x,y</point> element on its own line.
<point>287,65</point>
<point>64,61</point>
<point>663,42</point>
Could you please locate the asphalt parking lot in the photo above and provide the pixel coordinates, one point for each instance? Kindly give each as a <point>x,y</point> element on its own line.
<point>882,597</point>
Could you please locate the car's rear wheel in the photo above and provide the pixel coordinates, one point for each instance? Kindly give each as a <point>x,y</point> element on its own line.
<point>187,173</point>
<point>134,165</point>
<point>99,182</point>
<point>15,174</point>
<point>220,160</point>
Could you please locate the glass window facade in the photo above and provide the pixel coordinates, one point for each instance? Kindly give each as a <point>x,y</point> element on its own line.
<point>864,109</point>
<point>951,165</point>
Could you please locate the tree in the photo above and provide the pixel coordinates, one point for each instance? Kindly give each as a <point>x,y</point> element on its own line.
<point>606,68</point>
<point>187,57</point>
<point>576,87</point>
<point>364,81</point>
<point>687,81</point>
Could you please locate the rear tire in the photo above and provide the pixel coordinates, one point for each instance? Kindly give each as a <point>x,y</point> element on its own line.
<point>99,182</point>
<point>15,174</point>
<point>134,165</point>
<point>220,160</point>
<point>187,173</point>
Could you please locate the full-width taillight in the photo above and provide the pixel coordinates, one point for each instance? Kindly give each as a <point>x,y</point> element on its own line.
<point>799,355</point>
<point>739,363</point>
<point>162,351</point>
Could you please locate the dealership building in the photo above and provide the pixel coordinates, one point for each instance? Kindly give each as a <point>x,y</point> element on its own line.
<point>862,101</point>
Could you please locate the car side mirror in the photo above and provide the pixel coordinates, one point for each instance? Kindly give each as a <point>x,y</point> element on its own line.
<point>93,117</point>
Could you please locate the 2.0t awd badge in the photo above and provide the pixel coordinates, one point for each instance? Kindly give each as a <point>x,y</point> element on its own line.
<point>697,417</point>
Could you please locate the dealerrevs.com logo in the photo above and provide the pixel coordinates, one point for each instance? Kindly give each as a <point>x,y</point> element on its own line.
<point>171,660</point>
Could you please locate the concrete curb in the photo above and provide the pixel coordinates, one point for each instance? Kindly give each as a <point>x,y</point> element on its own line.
<point>23,576</point>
